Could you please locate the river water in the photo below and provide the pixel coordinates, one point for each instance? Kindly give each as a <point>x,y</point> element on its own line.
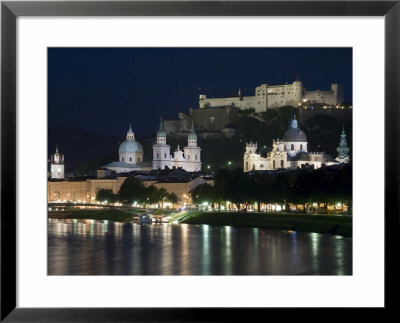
<point>89,247</point>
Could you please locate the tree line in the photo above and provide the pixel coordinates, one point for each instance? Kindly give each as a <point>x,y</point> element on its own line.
<point>133,190</point>
<point>326,185</point>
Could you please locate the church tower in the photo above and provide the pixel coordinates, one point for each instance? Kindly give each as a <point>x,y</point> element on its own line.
<point>343,150</point>
<point>57,165</point>
<point>161,151</point>
<point>192,152</point>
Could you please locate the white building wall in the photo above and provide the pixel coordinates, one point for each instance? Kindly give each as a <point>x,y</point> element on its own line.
<point>193,158</point>
<point>275,96</point>
<point>286,94</point>
<point>244,103</point>
<point>57,171</point>
<point>161,156</point>
<point>131,158</point>
<point>332,97</point>
<point>297,147</point>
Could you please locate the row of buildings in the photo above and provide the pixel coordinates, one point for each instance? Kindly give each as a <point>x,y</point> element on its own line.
<point>177,172</point>
<point>84,190</point>
<point>180,173</point>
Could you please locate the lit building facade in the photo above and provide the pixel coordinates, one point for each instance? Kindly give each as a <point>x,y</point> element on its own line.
<point>289,152</point>
<point>188,159</point>
<point>87,190</point>
<point>57,165</point>
<point>269,96</point>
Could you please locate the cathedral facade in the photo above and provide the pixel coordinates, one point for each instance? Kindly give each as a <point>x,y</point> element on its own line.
<point>291,152</point>
<point>188,159</point>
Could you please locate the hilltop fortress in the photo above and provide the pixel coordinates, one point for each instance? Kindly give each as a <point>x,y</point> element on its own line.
<point>216,116</point>
<point>276,96</point>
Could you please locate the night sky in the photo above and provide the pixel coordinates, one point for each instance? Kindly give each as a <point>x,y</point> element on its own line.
<point>103,89</point>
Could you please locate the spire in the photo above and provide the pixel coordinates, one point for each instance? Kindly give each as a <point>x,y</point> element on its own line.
<point>130,135</point>
<point>294,123</point>
<point>192,136</point>
<point>161,128</point>
<point>239,92</point>
<point>161,131</point>
<point>56,149</point>
<point>343,149</point>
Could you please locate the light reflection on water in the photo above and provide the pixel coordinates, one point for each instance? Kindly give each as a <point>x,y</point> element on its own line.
<point>89,247</point>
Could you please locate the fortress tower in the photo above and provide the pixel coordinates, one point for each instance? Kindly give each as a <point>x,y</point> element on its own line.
<point>57,165</point>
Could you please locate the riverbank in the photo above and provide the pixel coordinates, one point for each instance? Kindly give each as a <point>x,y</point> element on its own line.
<point>96,214</point>
<point>327,224</point>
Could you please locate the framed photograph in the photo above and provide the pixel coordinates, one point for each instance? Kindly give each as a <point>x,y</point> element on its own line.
<point>179,160</point>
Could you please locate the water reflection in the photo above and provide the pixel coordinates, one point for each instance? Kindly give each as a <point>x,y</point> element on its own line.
<point>88,247</point>
<point>206,254</point>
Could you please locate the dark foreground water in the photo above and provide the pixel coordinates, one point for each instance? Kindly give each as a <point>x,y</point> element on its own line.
<point>88,247</point>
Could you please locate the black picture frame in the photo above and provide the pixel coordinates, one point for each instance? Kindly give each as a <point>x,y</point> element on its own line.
<point>10,10</point>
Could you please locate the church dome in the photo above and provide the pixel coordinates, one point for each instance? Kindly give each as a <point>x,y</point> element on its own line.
<point>294,133</point>
<point>130,146</point>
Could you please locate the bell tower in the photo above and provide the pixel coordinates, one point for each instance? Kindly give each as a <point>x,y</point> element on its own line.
<point>161,151</point>
<point>192,152</point>
<point>57,165</point>
<point>343,150</point>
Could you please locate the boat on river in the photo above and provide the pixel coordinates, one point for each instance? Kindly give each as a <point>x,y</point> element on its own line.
<point>145,218</point>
